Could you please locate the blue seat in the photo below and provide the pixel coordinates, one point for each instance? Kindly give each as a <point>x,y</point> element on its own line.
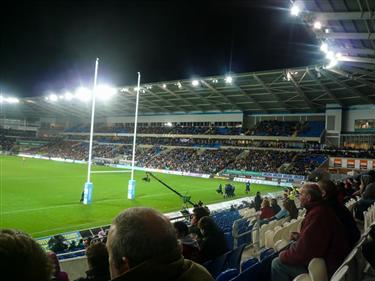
<point>265,253</point>
<point>216,266</point>
<point>229,239</point>
<point>250,262</point>
<point>253,273</point>
<point>265,265</point>
<point>227,275</point>
<point>234,258</point>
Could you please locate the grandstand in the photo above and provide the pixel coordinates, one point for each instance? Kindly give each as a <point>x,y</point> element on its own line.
<point>276,129</point>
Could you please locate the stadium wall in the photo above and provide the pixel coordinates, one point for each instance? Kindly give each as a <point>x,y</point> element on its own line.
<point>198,117</point>
<point>356,113</point>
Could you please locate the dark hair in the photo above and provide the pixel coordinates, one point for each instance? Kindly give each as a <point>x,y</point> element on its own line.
<point>291,207</point>
<point>329,188</point>
<point>141,234</point>
<point>208,225</point>
<point>97,258</point>
<point>181,228</point>
<point>200,212</point>
<point>22,258</point>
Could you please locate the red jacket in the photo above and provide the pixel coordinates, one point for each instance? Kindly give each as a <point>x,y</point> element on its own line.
<point>267,212</point>
<point>322,236</point>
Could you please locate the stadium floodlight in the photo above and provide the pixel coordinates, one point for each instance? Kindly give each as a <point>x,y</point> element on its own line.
<point>330,55</point>
<point>228,79</point>
<point>53,97</point>
<point>324,47</point>
<point>105,92</point>
<point>195,83</point>
<point>12,100</point>
<point>83,94</point>
<point>68,96</point>
<point>295,10</point>
<point>317,25</point>
<point>164,86</point>
<point>332,63</point>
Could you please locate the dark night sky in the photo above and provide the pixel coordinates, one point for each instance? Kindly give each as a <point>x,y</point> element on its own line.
<point>52,45</point>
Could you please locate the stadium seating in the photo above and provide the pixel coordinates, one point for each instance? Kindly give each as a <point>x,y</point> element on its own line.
<point>317,271</point>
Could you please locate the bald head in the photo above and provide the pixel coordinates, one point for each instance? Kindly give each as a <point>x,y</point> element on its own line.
<point>137,235</point>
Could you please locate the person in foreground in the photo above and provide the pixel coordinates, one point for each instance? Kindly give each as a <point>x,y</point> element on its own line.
<point>22,258</point>
<point>322,236</point>
<point>142,245</point>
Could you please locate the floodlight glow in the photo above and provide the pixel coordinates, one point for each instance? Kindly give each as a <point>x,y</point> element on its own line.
<point>330,55</point>
<point>61,97</point>
<point>168,124</point>
<point>332,63</point>
<point>317,25</point>
<point>179,85</point>
<point>324,47</point>
<point>338,56</point>
<point>83,94</point>
<point>104,92</point>
<point>53,97</point>
<point>68,96</point>
<point>164,86</point>
<point>228,79</point>
<point>46,98</point>
<point>1,99</point>
<point>12,100</point>
<point>288,76</point>
<point>295,10</point>
<point>326,30</point>
<point>214,81</point>
<point>195,83</point>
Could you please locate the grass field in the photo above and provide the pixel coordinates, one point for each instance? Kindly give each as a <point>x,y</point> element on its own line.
<point>41,197</point>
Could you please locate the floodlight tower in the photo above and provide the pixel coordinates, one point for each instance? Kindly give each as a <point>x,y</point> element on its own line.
<point>87,191</point>
<point>131,184</point>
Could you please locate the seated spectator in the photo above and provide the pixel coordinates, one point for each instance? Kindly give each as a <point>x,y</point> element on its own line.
<point>367,193</point>
<point>142,245</point>
<point>57,274</point>
<point>213,243</point>
<point>198,213</point>
<point>330,196</point>
<point>97,259</point>
<point>266,211</point>
<point>276,208</point>
<point>322,236</point>
<point>289,210</point>
<point>190,247</point>
<point>22,258</point>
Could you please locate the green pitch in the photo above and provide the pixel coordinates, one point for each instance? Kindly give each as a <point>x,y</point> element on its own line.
<point>41,197</point>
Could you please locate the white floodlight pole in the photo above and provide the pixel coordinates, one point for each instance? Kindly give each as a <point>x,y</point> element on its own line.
<point>87,192</point>
<point>131,185</point>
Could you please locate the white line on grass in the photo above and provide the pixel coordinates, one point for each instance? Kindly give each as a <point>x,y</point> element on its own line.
<point>103,201</point>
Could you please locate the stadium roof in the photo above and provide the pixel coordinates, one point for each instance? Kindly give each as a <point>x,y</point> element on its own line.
<point>348,29</point>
